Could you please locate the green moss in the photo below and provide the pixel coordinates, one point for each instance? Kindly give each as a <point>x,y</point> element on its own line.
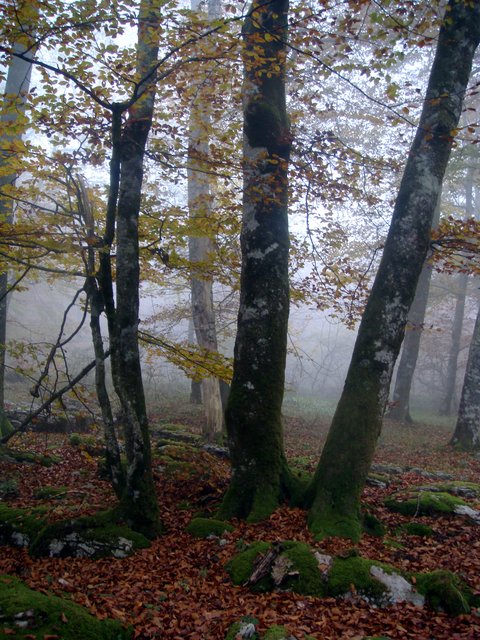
<point>20,526</point>
<point>50,616</point>
<point>75,440</point>
<point>373,526</point>
<point>420,502</point>
<point>417,529</point>
<point>276,632</point>
<point>445,591</point>
<point>237,627</point>
<point>204,527</point>
<point>306,578</point>
<point>99,533</point>
<point>456,488</point>
<point>326,523</point>
<point>28,457</point>
<point>240,567</point>
<point>355,571</point>
<point>44,493</point>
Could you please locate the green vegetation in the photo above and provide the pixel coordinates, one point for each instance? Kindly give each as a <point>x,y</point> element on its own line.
<point>29,614</point>
<point>20,526</point>
<point>45,493</point>
<point>204,527</point>
<point>445,591</point>
<point>355,571</point>
<point>416,529</point>
<point>95,536</point>
<point>412,502</point>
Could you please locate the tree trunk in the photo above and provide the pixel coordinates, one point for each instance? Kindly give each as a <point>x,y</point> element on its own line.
<point>138,503</point>
<point>260,475</point>
<point>201,247</point>
<point>400,410</point>
<point>457,325</point>
<point>12,114</point>
<point>467,430</point>
<point>347,455</point>
<point>95,303</point>
<point>452,363</point>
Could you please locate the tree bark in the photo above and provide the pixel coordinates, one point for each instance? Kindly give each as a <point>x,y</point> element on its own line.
<point>12,113</point>
<point>400,410</point>
<point>202,247</point>
<point>347,455</point>
<point>138,503</point>
<point>467,430</point>
<point>260,477</point>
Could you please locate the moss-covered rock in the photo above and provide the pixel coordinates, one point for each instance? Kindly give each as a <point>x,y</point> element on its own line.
<point>355,571</point>
<point>241,566</point>
<point>412,502</point>
<point>18,527</point>
<point>12,455</point>
<point>29,614</point>
<point>88,537</point>
<point>295,568</point>
<point>245,626</point>
<point>205,527</point>
<point>445,591</point>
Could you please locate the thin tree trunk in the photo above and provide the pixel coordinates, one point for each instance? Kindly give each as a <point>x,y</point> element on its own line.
<point>260,477</point>
<point>400,410</point>
<point>202,248</point>
<point>347,455</point>
<point>455,342</point>
<point>95,302</point>
<point>446,406</point>
<point>12,114</point>
<point>467,430</point>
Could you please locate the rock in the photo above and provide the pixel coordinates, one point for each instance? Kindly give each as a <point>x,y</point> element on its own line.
<point>399,589</point>
<point>464,510</point>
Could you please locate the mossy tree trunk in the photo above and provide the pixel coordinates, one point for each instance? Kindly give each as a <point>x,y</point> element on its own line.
<point>400,410</point>
<point>138,502</point>
<point>467,429</point>
<point>349,449</point>
<point>253,415</point>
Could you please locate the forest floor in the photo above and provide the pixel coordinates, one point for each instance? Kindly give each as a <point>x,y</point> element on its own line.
<point>178,588</point>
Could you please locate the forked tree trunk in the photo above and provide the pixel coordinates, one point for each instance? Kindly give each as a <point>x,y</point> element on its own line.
<point>400,410</point>
<point>467,430</point>
<point>202,247</point>
<point>348,452</point>
<point>260,475</point>
<point>12,113</point>
<point>138,503</point>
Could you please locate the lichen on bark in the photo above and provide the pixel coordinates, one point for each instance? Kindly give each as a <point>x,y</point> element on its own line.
<point>260,476</point>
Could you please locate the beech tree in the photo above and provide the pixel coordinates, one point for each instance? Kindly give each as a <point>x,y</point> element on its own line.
<point>12,117</point>
<point>201,247</point>
<point>260,476</point>
<point>400,410</point>
<point>467,429</point>
<point>334,495</point>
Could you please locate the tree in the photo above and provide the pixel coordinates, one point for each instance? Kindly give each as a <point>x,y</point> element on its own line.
<point>201,246</point>
<point>411,344</point>
<point>467,429</point>
<point>260,476</point>
<point>334,495</point>
<point>12,122</point>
